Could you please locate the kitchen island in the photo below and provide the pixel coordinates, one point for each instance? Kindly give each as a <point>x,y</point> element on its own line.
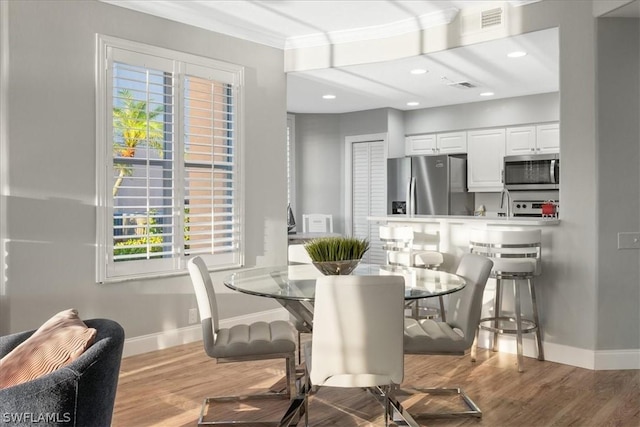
<point>467,219</point>
<point>450,236</point>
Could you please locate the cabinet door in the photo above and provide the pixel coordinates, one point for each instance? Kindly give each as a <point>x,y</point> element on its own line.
<point>548,137</point>
<point>420,144</point>
<point>485,159</point>
<point>521,140</point>
<point>452,142</point>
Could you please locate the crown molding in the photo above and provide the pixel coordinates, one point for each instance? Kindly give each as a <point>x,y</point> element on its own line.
<point>392,29</point>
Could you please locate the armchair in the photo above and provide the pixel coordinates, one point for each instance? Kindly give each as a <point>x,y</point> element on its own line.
<point>81,393</point>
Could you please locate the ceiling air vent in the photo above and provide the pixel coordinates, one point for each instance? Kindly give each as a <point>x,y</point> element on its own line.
<point>460,85</point>
<point>491,17</point>
<point>482,24</point>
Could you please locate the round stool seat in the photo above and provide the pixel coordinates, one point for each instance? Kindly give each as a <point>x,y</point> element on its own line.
<point>429,258</point>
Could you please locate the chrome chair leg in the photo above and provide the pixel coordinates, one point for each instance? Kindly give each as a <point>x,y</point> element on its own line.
<point>496,313</point>
<point>536,319</point>
<point>443,314</point>
<point>472,409</point>
<point>474,347</point>
<point>516,286</point>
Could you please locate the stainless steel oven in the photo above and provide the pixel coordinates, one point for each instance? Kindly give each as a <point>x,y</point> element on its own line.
<point>536,208</point>
<point>535,204</point>
<point>532,172</point>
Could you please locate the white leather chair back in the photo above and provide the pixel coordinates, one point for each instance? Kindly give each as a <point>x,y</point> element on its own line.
<point>317,223</point>
<point>358,328</point>
<point>465,306</point>
<point>297,254</point>
<point>205,294</point>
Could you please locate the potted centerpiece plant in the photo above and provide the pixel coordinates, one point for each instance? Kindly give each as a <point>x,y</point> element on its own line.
<point>336,255</point>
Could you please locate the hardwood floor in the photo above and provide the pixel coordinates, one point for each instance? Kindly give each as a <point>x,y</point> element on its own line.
<point>167,387</point>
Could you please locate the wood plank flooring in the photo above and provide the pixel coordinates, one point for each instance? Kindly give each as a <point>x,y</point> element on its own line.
<point>167,387</point>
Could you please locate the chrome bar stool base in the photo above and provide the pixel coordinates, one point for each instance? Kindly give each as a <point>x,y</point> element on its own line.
<point>518,325</point>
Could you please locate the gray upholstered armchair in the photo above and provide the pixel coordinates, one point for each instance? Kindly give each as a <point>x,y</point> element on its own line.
<point>81,393</point>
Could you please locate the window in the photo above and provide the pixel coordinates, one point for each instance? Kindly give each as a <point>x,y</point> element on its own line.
<point>168,161</point>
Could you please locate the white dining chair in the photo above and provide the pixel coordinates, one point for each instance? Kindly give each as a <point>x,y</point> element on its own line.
<point>453,337</point>
<point>317,223</point>
<point>357,334</point>
<point>297,254</point>
<point>240,343</point>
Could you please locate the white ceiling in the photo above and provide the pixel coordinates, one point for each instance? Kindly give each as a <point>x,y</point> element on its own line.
<point>294,23</point>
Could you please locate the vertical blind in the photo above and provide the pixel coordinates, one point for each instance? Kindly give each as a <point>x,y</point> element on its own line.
<point>172,188</point>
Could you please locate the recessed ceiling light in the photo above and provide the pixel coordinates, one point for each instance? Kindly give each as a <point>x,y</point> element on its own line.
<point>413,103</point>
<point>487,94</point>
<point>328,96</point>
<point>418,71</point>
<point>517,54</point>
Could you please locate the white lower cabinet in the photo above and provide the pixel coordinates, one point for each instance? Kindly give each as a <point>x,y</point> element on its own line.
<point>485,157</point>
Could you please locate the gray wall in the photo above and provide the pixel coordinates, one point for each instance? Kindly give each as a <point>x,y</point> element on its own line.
<point>318,166</point>
<point>51,176</point>
<point>477,115</point>
<point>320,159</point>
<point>618,181</point>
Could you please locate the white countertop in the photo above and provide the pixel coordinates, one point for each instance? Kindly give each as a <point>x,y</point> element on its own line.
<point>461,219</point>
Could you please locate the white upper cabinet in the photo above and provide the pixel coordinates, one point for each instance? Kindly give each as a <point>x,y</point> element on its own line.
<point>485,159</point>
<point>421,144</point>
<point>521,140</point>
<point>452,142</point>
<point>441,143</point>
<point>548,138</point>
<point>533,139</point>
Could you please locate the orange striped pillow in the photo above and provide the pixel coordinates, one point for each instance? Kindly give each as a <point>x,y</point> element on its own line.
<point>59,341</point>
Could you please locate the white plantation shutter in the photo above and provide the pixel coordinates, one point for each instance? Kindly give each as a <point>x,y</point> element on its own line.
<point>212,217</point>
<point>168,148</point>
<point>369,194</point>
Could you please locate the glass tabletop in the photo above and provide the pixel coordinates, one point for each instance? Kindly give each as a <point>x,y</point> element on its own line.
<point>298,282</point>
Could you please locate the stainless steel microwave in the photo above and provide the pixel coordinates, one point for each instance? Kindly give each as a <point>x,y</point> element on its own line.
<point>532,172</point>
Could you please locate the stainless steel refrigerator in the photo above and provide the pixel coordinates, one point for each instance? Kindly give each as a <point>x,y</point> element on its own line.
<point>428,185</point>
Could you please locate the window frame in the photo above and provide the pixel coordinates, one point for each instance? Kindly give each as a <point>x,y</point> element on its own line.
<point>182,63</point>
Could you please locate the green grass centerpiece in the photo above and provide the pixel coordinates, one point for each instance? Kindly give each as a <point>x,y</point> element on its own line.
<point>336,255</point>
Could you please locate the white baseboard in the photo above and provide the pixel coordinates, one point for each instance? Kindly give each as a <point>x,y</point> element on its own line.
<point>617,359</point>
<point>579,357</point>
<point>573,356</point>
<point>188,334</point>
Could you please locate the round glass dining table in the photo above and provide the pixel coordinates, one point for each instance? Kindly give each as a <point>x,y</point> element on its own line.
<point>294,286</point>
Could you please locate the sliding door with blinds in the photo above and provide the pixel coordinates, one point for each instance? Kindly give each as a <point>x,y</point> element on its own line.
<point>369,195</point>
<point>167,160</point>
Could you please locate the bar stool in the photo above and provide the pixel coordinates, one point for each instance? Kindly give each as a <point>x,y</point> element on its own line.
<point>517,257</point>
<point>398,242</point>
